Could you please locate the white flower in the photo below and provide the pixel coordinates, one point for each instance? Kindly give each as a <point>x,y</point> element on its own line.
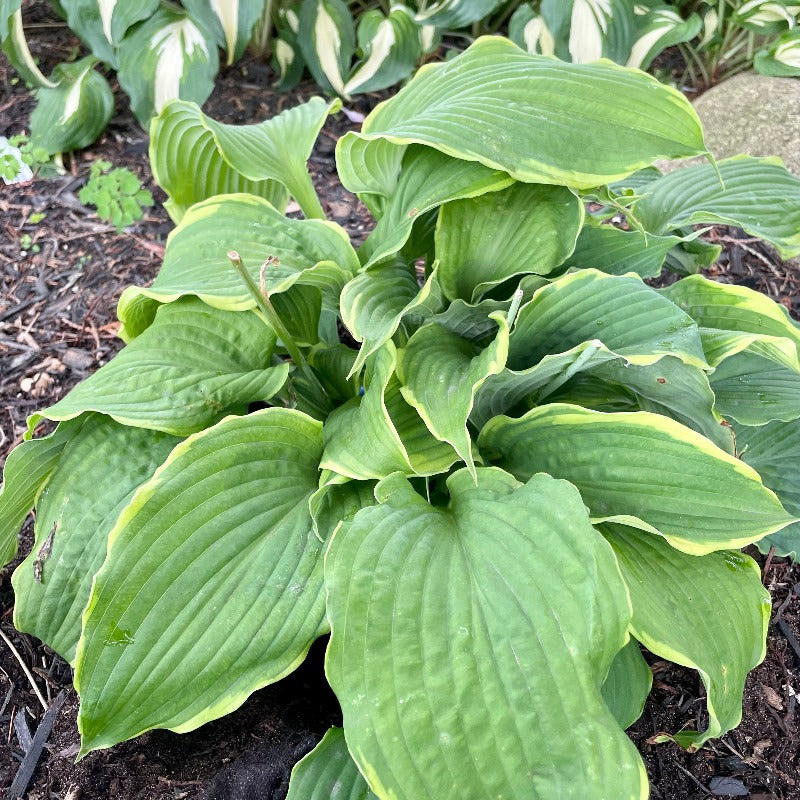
<point>23,170</point>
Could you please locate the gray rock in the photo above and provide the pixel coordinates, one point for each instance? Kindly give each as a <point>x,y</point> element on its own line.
<point>753,114</point>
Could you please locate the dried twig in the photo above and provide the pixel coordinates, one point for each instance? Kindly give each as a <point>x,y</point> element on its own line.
<point>25,669</point>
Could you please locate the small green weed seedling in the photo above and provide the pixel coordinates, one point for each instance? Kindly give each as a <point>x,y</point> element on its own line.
<point>117,194</point>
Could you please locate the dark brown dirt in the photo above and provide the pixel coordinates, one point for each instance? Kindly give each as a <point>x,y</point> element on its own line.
<point>58,324</point>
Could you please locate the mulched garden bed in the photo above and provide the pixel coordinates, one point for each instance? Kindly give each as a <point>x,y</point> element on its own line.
<point>58,324</point>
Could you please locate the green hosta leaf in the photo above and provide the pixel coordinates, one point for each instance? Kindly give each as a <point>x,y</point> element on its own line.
<point>374,303</point>
<point>774,451</point>
<point>195,157</point>
<point>102,24</point>
<point>472,321</point>
<point>73,113</point>
<point>212,587</point>
<point>232,21</point>
<point>440,372</point>
<point>380,433</point>
<point>781,57</point>
<point>662,28</point>
<point>27,471</point>
<point>190,367</point>
<point>428,179</point>
<point>168,57</point>
<point>619,252</point>
<point>627,684</point>
<point>540,120</point>
<point>327,41</point>
<point>458,657</point>
<point>15,46</point>
<point>391,47</point>
<point>625,314</point>
<point>333,503</point>
<point>710,613</point>
<point>308,252</point>
<point>328,772</point>
<point>642,469</point>
<point>94,480</point>
<point>455,13</point>
<point>759,195</point>
<point>485,240</point>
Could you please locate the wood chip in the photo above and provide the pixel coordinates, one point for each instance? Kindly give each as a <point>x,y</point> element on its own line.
<point>772,697</point>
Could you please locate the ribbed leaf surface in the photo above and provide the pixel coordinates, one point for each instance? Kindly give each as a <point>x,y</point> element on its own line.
<point>542,121</point>
<point>95,478</point>
<point>627,684</point>
<point>709,612</point>
<point>444,620</point>
<point>643,466</point>
<point>190,367</point>
<point>212,587</point>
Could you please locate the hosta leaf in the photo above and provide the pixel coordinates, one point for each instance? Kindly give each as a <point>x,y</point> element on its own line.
<point>170,56</point>
<point>540,120</point>
<point>391,47</point>
<point>644,467</point>
<point>195,157</point>
<point>472,321</point>
<point>374,303</point>
<point>307,252</point>
<point>232,21</point>
<point>380,433</point>
<point>212,587</point>
<point>103,23</point>
<point>457,656</point>
<point>710,613</point>
<point>625,314</point>
<point>26,472</point>
<point>597,28</point>
<point>455,13</point>
<point>781,57</point>
<point>327,40</point>
<point>485,240</point>
<point>627,684</point>
<point>758,195</point>
<point>618,252</point>
<point>94,480</point>
<point>15,46</point>
<point>190,367</point>
<point>662,28</point>
<point>333,503</point>
<point>440,372</point>
<point>428,179</point>
<point>774,451</point>
<point>75,112</point>
<point>328,772</point>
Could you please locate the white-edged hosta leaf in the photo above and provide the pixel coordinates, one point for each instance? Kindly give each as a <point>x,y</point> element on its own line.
<point>538,119</point>
<point>308,252</point>
<point>15,46</point>
<point>379,433</point>
<point>390,46</point>
<point>212,586</point>
<point>623,312</point>
<point>484,240</point>
<point>75,112</point>
<point>25,474</point>
<point>374,303</point>
<point>192,366</point>
<point>369,168</point>
<point>643,469</point>
<point>287,60</point>
<point>529,31</point>
<point>428,178</point>
<point>759,195</point>
<point>732,308</point>
<point>455,13</point>
<point>231,20</point>
<point>458,654</point>
<point>170,56</point>
<point>627,684</point>
<point>781,57</point>
<point>328,772</point>
<point>440,373</point>
<point>597,28</point>
<point>619,252</point>
<point>195,157</point>
<point>708,612</point>
<point>755,390</point>
<point>773,450</point>
<point>102,24</point>
<point>663,27</point>
<point>93,481</point>
<point>327,39</point>
<point>766,16</point>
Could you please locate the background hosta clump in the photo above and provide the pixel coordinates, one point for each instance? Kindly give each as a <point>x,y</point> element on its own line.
<point>534,462</point>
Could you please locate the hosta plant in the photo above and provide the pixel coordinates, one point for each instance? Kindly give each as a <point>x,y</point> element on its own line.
<point>532,463</point>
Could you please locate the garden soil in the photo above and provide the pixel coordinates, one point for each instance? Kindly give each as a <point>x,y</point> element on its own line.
<point>57,325</point>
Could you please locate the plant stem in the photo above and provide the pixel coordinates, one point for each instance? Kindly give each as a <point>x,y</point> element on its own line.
<point>275,322</point>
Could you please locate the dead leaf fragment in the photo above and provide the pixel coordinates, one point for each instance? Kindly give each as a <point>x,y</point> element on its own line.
<point>772,697</point>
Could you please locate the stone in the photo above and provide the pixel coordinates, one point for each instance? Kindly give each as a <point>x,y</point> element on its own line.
<point>753,114</point>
